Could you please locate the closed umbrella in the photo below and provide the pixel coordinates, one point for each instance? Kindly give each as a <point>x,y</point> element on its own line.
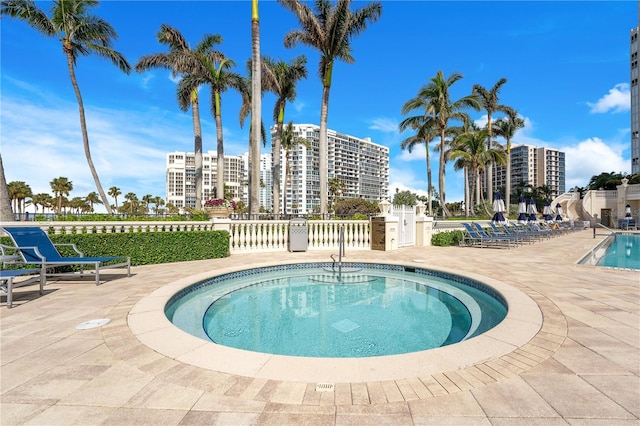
<point>498,209</point>
<point>547,212</point>
<point>522,209</point>
<point>627,211</point>
<point>532,210</point>
<point>558,213</point>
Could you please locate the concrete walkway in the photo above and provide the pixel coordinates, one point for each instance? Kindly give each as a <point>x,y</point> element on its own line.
<point>582,366</point>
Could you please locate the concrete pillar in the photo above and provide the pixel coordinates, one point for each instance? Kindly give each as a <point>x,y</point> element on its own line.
<point>424,230</point>
<point>384,229</point>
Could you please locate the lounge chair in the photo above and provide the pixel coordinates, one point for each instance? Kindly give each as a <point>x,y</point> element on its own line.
<point>36,248</point>
<point>501,236</point>
<point>473,238</point>
<point>7,283</point>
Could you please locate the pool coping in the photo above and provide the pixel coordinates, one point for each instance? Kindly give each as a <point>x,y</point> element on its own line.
<point>149,324</point>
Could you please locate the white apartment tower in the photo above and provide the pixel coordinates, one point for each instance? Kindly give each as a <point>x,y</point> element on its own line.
<point>534,166</point>
<point>635,100</point>
<point>181,171</point>
<point>266,201</point>
<point>361,165</point>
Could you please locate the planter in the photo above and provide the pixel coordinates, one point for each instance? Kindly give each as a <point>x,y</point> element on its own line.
<point>218,212</point>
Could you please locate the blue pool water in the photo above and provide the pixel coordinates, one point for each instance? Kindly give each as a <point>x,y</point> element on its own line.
<point>308,310</point>
<point>620,251</point>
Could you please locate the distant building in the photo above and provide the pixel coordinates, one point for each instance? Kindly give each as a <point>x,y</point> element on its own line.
<point>265,198</point>
<point>534,166</point>
<point>361,165</point>
<point>181,171</point>
<point>635,101</point>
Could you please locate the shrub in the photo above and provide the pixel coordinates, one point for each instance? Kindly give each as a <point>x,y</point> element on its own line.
<point>146,248</point>
<point>447,238</point>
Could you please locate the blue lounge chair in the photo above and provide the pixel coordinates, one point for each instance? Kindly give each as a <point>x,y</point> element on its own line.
<point>36,248</point>
<point>7,283</point>
<point>474,238</point>
<point>502,237</point>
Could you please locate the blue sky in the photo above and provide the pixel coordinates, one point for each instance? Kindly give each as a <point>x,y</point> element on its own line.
<point>567,66</point>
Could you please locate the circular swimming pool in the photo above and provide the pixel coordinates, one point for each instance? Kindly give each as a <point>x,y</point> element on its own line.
<point>319,310</point>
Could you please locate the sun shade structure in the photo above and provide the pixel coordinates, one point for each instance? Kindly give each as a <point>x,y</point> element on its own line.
<point>498,209</point>
<point>532,210</point>
<point>547,212</point>
<point>522,210</point>
<point>558,213</point>
<point>36,248</point>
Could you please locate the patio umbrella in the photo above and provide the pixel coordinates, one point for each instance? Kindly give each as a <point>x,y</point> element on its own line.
<point>522,209</point>
<point>547,212</point>
<point>558,213</point>
<point>627,211</point>
<point>498,209</point>
<point>532,210</point>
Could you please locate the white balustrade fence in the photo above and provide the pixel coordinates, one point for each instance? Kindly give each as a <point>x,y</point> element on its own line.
<point>245,236</point>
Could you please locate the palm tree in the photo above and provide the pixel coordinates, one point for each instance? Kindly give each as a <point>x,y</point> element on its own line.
<point>61,187</point>
<point>507,128</point>
<point>132,198</point>
<point>489,101</point>
<point>6,213</point>
<point>42,199</point>
<point>289,142</point>
<point>114,191</point>
<point>471,153</point>
<point>214,71</point>
<point>92,198</point>
<point>426,130</point>
<point>181,59</point>
<point>281,78</point>
<point>19,191</point>
<point>80,34</point>
<point>256,112</point>
<point>329,30</point>
<point>336,189</point>
<point>146,200</point>
<point>442,108</point>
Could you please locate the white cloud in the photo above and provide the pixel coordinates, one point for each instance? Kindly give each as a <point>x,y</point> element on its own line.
<point>617,100</point>
<point>418,152</point>
<point>592,157</point>
<point>43,142</point>
<point>384,125</point>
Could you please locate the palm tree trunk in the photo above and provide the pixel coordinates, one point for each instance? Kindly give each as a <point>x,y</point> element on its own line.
<point>6,213</point>
<point>85,134</point>
<point>508,178</point>
<point>466,191</point>
<point>197,146</point>
<point>220,152</point>
<point>429,183</point>
<point>287,182</point>
<point>323,145</point>
<point>489,167</point>
<point>275,175</point>
<point>256,111</point>
<point>445,211</point>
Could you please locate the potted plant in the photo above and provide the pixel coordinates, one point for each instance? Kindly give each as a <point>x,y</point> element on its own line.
<point>219,207</point>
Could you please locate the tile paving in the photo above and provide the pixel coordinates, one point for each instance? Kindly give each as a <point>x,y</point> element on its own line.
<point>581,367</point>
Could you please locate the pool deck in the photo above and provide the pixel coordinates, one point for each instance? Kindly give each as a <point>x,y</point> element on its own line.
<point>582,366</point>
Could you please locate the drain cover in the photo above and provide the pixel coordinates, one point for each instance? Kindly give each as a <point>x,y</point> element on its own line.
<point>92,324</point>
<point>324,387</point>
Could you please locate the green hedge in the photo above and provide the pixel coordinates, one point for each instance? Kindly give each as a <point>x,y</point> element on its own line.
<point>146,248</point>
<point>447,238</point>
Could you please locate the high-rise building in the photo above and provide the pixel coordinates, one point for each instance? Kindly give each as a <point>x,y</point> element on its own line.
<point>265,198</point>
<point>534,166</point>
<point>181,172</point>
<point>361,165</point>
<point>635,100</point>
